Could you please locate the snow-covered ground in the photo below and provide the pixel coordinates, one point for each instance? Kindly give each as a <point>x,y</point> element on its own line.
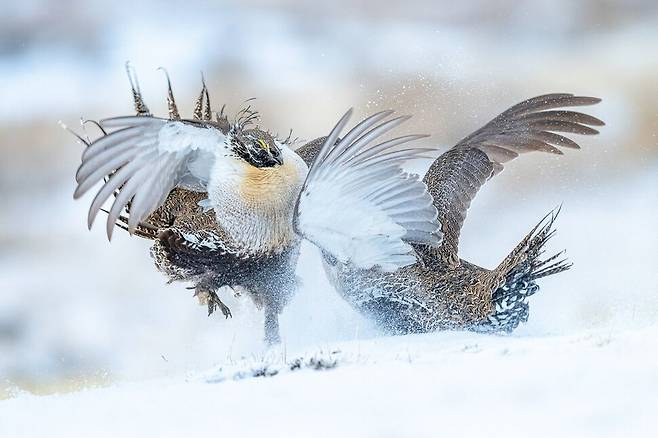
<point>595,384</point>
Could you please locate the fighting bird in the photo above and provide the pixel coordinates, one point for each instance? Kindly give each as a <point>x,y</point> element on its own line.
<point>442,291</point>
<point>227,203</point>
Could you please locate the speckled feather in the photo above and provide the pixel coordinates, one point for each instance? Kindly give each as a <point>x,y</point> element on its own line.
<point>190,246</point>
<point>247,240</point>
<point>443,291</point>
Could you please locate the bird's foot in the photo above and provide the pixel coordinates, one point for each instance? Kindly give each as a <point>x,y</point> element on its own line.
<point>215,303</point>
<point>211,299</point>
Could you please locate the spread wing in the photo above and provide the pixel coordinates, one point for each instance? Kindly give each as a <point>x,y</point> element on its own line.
<point>456,176</point>
<point>359,205</point>
<point>146,157</point>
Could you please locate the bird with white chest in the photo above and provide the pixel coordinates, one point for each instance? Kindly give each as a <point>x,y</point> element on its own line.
<point>227,204</point>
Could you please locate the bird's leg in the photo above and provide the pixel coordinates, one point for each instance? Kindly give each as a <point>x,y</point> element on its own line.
<point>208,296</point>
<point>271,325</point>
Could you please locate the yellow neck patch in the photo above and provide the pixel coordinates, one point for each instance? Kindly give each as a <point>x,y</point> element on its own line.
<point>269,184</point>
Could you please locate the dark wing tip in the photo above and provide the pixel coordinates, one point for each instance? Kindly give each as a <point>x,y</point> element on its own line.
<point>590,99</point>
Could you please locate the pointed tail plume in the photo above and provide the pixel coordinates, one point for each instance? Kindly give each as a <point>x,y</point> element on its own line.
<point>171,102</point>
<point>198,105</point>
<point>207,113</point>
<point>140,107</point>
<point>519,273</point>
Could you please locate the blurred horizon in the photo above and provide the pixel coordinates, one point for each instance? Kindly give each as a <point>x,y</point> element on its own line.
<point>75,309</point>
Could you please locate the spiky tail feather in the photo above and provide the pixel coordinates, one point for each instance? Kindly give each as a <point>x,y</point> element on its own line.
<point>520,271</point>
<point>144,230</point>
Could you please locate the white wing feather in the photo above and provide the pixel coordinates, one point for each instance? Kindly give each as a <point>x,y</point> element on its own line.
<point>359,205</point>
<point>151,156</point>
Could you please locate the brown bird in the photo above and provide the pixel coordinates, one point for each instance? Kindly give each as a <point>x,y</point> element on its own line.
<point>227,203</point>
<point>442,291</point>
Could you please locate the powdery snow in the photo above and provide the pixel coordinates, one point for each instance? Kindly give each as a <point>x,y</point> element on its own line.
<point>595,384</point>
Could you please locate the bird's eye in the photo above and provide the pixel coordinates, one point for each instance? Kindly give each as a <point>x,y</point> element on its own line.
<point>263,144</point>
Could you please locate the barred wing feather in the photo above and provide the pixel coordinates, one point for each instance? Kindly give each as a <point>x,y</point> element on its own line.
<point>359,205</point>
<point>146,157</point>
<point>536,124</point>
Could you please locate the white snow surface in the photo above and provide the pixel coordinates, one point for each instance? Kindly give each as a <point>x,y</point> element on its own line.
<point>596,384</point>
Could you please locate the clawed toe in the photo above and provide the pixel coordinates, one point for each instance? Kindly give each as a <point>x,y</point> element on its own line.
<point>211,299</point>
<point>225,310</point>
<point>215,303</point>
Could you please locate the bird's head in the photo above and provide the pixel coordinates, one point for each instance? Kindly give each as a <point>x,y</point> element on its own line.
<point>256,147</point>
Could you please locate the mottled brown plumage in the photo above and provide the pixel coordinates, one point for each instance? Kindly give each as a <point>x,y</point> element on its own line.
<point>456,176</point>
<point>190,246</point>
<point>444,291</point>
<point>310,150</point>
<point>227,204</point>
<point>188,242</point>
<point>440,291</point>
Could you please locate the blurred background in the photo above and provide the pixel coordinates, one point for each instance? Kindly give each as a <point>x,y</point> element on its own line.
<point>76,311</point>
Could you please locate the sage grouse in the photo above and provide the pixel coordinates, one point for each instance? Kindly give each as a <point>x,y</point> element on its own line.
<point>227,204</point>
<point>442,291</point>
